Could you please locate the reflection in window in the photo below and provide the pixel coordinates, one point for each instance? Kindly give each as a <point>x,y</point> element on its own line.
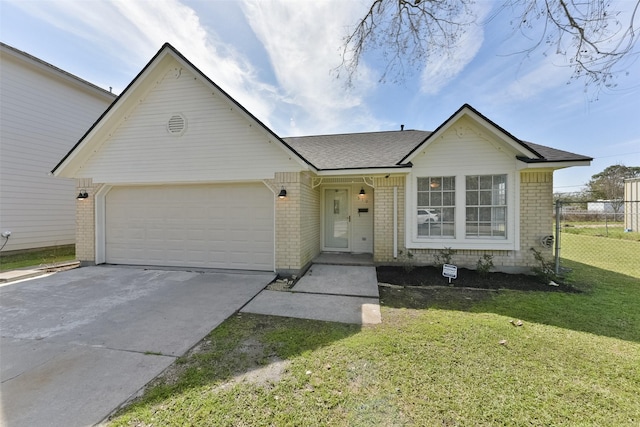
<point>436,206</point>
<point>486,206</point>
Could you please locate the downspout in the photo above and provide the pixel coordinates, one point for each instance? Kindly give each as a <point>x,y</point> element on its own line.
<point>395,222</point>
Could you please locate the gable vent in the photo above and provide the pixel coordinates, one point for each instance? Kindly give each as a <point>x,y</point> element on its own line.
<point>177,125</point>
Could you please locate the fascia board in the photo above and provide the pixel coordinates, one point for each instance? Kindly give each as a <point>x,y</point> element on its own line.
<point>372,171</point>
<point>552,165</point>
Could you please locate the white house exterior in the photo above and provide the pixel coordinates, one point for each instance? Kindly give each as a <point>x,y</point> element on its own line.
<point>179,174</point>
<point>43,112</point>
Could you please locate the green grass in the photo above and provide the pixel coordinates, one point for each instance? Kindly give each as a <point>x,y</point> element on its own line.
<point>606,253</point>
<point>37,258</point>
<point>575,361</point>
<point>601,230</point>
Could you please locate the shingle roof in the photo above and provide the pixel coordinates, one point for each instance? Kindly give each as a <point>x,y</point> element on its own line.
<point>357,150</point>
<point>552,154</point>
<point>387,149</point>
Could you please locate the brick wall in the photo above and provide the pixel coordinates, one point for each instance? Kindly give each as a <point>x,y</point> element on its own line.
<point>383,218</point>
<point>536,221</point>
<point>85,222</point>
<point>297,222</point>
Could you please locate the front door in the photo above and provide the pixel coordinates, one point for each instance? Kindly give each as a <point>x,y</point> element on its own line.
<point>337,219</point>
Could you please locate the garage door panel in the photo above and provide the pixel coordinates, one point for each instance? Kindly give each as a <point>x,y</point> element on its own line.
<point>212,226</point>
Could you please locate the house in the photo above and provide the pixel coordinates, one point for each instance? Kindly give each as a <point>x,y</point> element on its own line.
<point>179,174</point>
<point>43,111</point>
<point>632,204</point>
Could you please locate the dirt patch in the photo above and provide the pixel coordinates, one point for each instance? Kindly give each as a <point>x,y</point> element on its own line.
<point>430,276</point>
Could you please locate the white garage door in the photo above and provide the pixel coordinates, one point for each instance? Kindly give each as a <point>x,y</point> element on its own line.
<point>212,226</point>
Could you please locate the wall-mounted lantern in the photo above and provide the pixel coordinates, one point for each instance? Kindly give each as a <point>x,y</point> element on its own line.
<point>282,194</point>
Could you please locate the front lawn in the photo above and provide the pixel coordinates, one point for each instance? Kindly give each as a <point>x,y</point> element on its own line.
<point>37,258</point>
<point>443,358</point>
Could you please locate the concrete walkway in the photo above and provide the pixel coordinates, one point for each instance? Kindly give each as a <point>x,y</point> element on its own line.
<point>334,293</point>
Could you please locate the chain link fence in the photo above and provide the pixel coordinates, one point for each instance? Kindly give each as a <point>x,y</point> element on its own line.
<point>604,234</point>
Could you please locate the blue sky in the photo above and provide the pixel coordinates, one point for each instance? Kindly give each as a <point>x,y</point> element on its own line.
<point>276,58</point>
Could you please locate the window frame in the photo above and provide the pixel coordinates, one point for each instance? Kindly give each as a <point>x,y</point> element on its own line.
<point>460,240</point>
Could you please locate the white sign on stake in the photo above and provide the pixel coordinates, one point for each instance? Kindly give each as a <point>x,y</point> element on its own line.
<point>450,271</point>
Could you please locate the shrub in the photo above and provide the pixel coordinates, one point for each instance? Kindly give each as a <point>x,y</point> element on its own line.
<point>484,265</point>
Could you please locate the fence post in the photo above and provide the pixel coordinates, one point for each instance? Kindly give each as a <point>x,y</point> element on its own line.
<point>557,239</point>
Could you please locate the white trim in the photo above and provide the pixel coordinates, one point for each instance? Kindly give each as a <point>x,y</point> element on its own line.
<point>461,242</point>
<point>395,222</point>
<point>365,172</point>
<point>322,218</point>
<point>551,165</point>
<point>100,204</point>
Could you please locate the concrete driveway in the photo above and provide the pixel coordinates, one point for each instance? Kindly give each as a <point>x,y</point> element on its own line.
<point>77,344</point>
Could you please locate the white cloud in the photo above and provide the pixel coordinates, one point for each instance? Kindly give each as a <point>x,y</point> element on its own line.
<point>132,31</point>
<point>441,70</point>
<point>303,44</point>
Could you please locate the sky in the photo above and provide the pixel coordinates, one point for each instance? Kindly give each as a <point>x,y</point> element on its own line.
<point>278,59</point>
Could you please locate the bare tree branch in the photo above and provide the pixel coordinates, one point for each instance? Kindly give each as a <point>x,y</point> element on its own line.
<point>406,33</point>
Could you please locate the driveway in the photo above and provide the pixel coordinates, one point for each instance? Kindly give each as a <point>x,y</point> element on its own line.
<point>77,344</point>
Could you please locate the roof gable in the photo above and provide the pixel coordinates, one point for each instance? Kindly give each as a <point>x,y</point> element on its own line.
<point>166,59</point>
<point>526,152</point>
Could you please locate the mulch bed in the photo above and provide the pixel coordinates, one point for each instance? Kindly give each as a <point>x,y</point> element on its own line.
<point>430,276</point>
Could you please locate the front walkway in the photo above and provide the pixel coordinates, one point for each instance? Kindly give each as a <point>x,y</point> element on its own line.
<point>334,293</point>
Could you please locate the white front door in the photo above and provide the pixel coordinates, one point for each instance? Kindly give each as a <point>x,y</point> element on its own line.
<point>337,219</point>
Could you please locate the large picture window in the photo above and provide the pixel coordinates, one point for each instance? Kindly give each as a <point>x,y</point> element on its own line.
<point>436,206</point>
<point>486,206</point>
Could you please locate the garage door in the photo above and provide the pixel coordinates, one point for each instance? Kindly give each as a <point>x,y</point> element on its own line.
<point>212,226</point>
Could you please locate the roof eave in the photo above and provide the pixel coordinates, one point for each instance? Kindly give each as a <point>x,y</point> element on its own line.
<point>546,164</point>
<point>367,171</point>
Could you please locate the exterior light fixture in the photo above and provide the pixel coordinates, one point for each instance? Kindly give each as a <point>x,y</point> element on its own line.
<point>82,195</point>
<point>282,194</point>
<point>362,193</point>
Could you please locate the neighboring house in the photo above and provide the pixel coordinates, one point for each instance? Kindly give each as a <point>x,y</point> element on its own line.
<point>43,112</point>
<point>632,204</point>
<point>179,174</point>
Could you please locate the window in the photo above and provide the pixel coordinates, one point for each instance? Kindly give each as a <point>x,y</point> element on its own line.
<point>436,206</point>
<point>486,206</point>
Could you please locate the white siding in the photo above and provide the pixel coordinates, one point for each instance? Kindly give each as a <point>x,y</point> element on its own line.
<point>42,115</point>
<point>219,144</point>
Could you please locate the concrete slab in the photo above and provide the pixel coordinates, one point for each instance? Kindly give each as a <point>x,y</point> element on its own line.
<point>332,308</point>
<point>339,280</point>
<point>77,344</point>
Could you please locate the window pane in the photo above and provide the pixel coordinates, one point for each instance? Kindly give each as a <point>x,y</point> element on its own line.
<point>423,184</point>
<point>472,183</point>
<point>485,198</point>
<point>448,183</point>
<point>433,219</point>
<point>486,182</point>
<point>448,199</point>
<point>485,214</point>
<point>436,199</point>
<point>472,198</point>
<point>486,211</point>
